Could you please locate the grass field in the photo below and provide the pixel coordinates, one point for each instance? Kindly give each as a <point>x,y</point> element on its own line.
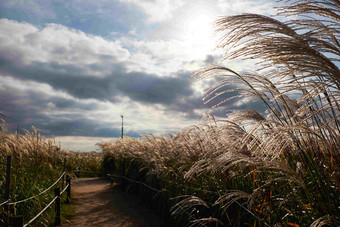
<point>274,168</point>
<point>277,167</point>
<point>36,164</point>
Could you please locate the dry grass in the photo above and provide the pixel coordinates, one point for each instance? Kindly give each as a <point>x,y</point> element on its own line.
<point>279,168</point>
<point>36,163</point>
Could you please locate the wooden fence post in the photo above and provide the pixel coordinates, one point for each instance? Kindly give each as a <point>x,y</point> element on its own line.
<point>7,189</point>
<point>17,221</point>
<point>68,190</point>
<point>63,180</point>
<point>57,207</point>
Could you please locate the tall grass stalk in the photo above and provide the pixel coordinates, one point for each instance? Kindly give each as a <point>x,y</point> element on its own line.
<point>276,168</point>
<point>36,164</point>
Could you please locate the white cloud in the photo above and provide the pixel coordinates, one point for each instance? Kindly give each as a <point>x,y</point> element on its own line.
<point>180,41</point>
<point>57,43</point>
<point>166,57</point>
<point>26,43</point>
<point>183,40</point>
<point>21,89</point>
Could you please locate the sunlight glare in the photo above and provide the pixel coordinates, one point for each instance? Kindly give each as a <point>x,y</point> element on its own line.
<point>198,25</point>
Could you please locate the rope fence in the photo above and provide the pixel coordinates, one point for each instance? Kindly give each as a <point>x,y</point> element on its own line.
<point>12,219</point>
<point>48,205</point>
<point>67,189</point>
<point>152,188</point>
<point>41,212</point>
<point>62,192</point>
<point>4,202</point>
<point>196,189</point>
<point>139,182</point>
<point>85,171</point>
<point>34,197</point>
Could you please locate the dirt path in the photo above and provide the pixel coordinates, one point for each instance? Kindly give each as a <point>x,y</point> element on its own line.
<point>99,204</point>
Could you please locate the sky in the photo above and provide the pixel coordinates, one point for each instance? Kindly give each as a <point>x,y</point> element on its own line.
<point>70,68</point>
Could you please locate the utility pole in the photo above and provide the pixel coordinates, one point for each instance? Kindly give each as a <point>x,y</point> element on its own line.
<point>122,125</point>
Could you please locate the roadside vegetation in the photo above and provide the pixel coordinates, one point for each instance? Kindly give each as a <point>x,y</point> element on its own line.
<point>36,164</point>
<point>274,168</point>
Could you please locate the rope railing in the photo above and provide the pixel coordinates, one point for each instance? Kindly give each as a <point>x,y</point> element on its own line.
<point>148,186</point>
<point>10,218</point>
<point>5,202</point>
<point>86,171</point>
<point>33,197</point>
<point>46,207</point>
<point>41,212</point>
<point>139,182</point>
<point>196,189</point>
<point>64,189</point>
<point>152,188</point>
<point>124,177</point>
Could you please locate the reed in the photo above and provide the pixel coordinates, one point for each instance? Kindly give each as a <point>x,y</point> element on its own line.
<point>277,168</point>
<point>36,163</point>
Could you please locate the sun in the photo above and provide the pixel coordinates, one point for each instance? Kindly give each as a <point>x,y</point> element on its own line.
<point>198,24</point>
<point>190,35</point>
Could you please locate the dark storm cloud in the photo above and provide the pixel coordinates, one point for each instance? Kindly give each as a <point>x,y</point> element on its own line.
<point>79,127</point>
<point>174,93</point>
<point>190,104</point>
<point>142,87</point>
<point>26,110</point>
<point>225,110</point>
<point>46,111</point>
<point>153,89</point>
<point>233,104</point>
<point>66,103</point>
